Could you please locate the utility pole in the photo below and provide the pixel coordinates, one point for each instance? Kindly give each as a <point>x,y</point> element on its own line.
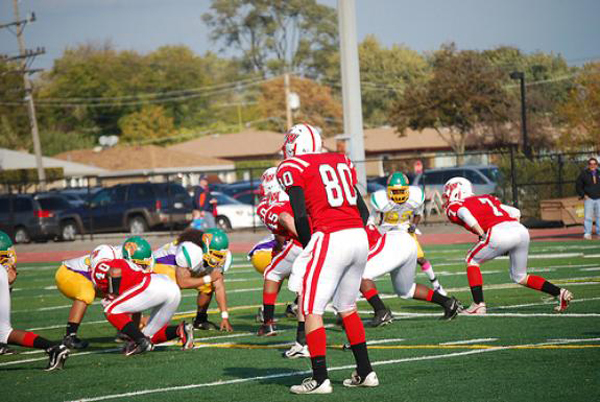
<point>520,75</point>
<point>288,106</point>
<point>353,123</point>
<point>25,55</point>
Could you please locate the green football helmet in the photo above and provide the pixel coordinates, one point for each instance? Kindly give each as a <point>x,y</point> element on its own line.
<point>7,251</point>
<point>397,187</point>
<point>138,251</point>
<point>215,245</point>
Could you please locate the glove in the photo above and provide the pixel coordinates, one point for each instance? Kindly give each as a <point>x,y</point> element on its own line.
<point>412,229</point>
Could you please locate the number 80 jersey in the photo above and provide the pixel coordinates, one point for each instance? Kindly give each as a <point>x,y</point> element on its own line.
<point>328,182</point>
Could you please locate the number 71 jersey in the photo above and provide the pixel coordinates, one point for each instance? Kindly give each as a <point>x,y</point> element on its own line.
<point>328,182</point>
<point>487,209</point>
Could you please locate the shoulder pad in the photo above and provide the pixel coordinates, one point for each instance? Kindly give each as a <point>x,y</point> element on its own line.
<point>380,201</point>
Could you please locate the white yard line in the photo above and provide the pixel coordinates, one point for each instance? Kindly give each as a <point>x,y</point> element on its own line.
<point>470,341</point>
<point>335,368</point>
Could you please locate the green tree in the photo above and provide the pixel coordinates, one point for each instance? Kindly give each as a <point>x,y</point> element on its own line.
<point>150,122</point>
<point>581,111</point>
<point>275,35</point>
<point>14,122</point>
<point>461,101</point>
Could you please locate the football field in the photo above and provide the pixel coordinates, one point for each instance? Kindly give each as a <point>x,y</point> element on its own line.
<point>521,350</point>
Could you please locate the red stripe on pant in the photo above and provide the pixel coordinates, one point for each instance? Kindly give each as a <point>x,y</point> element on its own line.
<point>306,274</point>
<point>278,258</point>
<point>378,247</point>
<point>127,296</point>
<point>479,247</point>
<point>319,266</point>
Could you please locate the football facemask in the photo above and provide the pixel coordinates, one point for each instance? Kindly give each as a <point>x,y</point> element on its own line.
<point>215,245</point>
<point>8,256</point>
<point>397,188</point>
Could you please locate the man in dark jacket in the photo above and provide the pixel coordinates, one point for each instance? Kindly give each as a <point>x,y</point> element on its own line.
<point>204,204</point>
<point>588,188</point>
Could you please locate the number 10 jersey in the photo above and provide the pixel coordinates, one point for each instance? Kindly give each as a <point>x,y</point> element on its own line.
<point>328,181</point>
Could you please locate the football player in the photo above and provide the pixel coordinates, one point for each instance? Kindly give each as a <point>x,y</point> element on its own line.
<point>73,279</point>
<point>322,186</point>
<point>212,248</point>
<point>398,209</point>
<point>8,275</point>
<point>500,232</point>
<point>276,214</point>
<point>131,289</point>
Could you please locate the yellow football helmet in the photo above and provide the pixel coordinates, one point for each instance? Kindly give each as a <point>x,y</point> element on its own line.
<point>261,260</point>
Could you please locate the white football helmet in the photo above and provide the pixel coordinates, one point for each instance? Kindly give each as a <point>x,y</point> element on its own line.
<point>268,181</point>
<point>457,189</point>
<point>189,255</point>
<point>104,252</point>
<point>302,139</point>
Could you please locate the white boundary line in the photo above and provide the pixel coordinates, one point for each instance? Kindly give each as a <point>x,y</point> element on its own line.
<point>336,368</point>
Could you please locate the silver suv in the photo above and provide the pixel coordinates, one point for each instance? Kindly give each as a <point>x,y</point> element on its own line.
<point>484,178</point>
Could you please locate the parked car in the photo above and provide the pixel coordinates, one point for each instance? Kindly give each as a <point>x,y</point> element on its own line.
<point>232,214</point>
<point>134,207</point>
<point>483,177</point>
<point>30,217</point>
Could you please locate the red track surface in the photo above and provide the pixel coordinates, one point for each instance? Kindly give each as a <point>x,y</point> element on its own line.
<point>562,234</point>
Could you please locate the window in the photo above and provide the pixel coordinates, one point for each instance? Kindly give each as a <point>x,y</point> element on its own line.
<point>473,176</point>
<point>53,203</point>
<point>23,204</point>
<point>141,192</point>
<point>102,198</point>
<point>433,178</point>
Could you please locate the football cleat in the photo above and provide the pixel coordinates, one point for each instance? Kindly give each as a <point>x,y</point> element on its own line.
<point>311,386</point>
<point>57,355</point>
<point>137,348</point>
<point>291,310</point>
<point>381,318</point>
<point>267,329</point>
<point>451,308</point>
<point>475,309</point>
<point>564,299</point>
<point>121,338</point>
<point>71,341</point>
<point>185,332</point>
<point>260,315</point>
<point>355,380</point>
<point>5,350</point>
<point>296,351</point>
<point>205,325</point>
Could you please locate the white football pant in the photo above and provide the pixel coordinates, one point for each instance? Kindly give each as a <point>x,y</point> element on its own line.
<point>5,327</point>
<point>281,265</point>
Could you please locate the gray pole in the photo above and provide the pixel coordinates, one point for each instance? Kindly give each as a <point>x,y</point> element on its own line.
<point>353,124</point>
<point>30,105</point>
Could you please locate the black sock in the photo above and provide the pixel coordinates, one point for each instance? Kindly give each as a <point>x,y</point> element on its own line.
<point>72,327</point>
<point>41,343</point>
<point>201,316</point>
<point>550,288</point>
<point>131,330</point>
<point>439,299</point>
<point>300,333</point>
<point>376,303</point>
<point>477,292</point>
<point>268,312</point>
<point>171,332</point>
<point>363,364</point>
<point>319,367</point>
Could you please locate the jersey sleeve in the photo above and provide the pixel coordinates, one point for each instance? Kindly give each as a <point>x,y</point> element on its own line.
<point>290,173</point>
<point>417,200</point>
<point>380,202</point>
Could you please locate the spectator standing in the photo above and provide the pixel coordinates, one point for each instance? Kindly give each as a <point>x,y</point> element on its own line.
<point>588,188</point>
<point>204,204</point>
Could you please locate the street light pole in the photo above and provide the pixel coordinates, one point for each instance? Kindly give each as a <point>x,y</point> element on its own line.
<point>519,75</point>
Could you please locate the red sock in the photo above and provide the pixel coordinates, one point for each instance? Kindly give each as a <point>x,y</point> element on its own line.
<point>160,336</point>
<point>269,298</point>
<point>535,282</point>
<point>429,295</point>
<point>474,275</point>
<point>317,342</point>
<point>370,293</point>
<point>355,331</point>
<point>29,338</point>
<point>118,320</point>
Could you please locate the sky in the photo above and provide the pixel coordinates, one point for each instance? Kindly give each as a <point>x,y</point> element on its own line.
<point>566,27</point>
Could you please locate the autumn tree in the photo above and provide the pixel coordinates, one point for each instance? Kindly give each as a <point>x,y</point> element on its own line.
<point>317,105</point>
<point>151,122</point>
<point>581,111</point>
<point>274,35</point>
<point>463,98</point>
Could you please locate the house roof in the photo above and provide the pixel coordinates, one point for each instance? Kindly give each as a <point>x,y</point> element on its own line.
<point>387,139</point>
<point>245,144</point>
<point>10,159</point>
<point>146,157</point>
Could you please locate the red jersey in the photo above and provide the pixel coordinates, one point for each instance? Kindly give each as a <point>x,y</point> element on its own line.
<point>485,208</point>
<point>131,274</point>
<point>328,182</point>
<point>269,211</point>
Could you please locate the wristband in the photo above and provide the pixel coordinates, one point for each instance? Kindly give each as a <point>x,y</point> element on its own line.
<point>207,279</point>
<point>224,315</point>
